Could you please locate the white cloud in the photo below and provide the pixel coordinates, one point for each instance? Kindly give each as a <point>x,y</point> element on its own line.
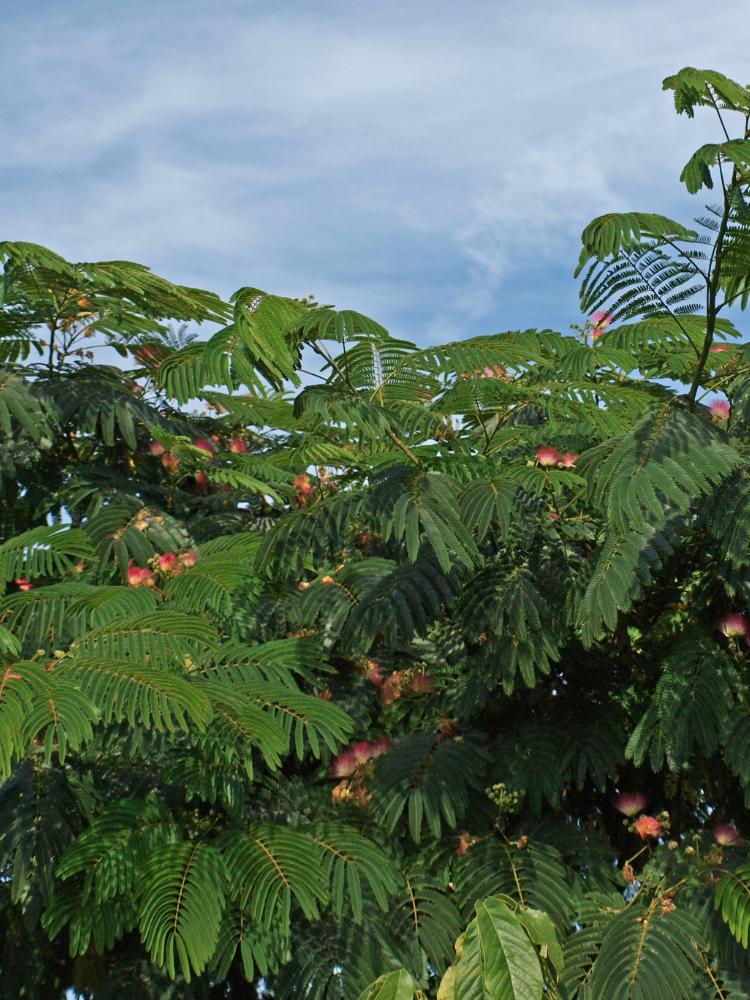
<point>423,162</point>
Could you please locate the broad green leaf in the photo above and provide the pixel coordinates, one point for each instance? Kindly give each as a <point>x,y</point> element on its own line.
<point>497,960</point>
<point>392,986</point>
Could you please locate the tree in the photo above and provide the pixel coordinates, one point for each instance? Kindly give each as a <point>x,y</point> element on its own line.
<point>426,678</point>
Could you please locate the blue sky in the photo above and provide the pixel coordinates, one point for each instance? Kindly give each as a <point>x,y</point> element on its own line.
<point>431,164</point>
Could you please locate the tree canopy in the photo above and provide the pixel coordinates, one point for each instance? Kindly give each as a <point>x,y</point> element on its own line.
<point>421,674</point>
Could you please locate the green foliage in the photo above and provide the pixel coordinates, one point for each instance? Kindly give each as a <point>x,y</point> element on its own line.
<point>646,954</point>
<point>496,959</point>
<point>298,683</point>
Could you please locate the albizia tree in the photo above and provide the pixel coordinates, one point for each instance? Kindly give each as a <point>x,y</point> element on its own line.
<point>430,679</point>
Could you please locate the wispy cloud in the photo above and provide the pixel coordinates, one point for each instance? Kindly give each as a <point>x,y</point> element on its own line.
<point>431,164</point>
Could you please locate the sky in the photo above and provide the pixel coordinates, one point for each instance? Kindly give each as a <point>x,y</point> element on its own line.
<point>431,164</point>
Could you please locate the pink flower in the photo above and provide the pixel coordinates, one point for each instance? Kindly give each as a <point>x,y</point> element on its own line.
<point>22,583</point>
<point>630,803</point>
<point>422,683</point>
<point>733,625</point>
<point>140,576</point>
<point>547,456</point>
<point>237,446</point>
<point>496,371</point>
<point>350,759</point>
<point>358,754</point>
<point>381,746</point>
<point>344,765</point>
<point>465,841</point>
<point>169,562</point>
<point>648,826</point>
<point>201,479</point>
<point>720,410</point>
<point>726,834</point>
<point>719,349</point>
<point>599,323</point>
<point>568,460</point>
<point>170,462</point>
<point>327,580</point>
<point>206,446</point>
<point>302,484</point>
<point>154,448</point>
<point>188,558</point>
<point>361,751</point>
<point>373,672</point>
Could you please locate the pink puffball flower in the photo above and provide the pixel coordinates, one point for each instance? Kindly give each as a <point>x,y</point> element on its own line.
<point>22,583</point>
<point>362,751</point>
<point>630,803</point>
<point>547,456</point>
<point>374,673</point>
<point>237,446</point>
<point>422,683</point>
<point>188,558</point>
<point>599,323</point>
<point>154,448</point>
<point>207,447</point>
<point>733,625</point>
<point>344,765</point>
<point>720,410</point>
<point>568,460</point>
<point>494,371</point>
<point>303,484</point>
<point>381,746</point>
<point>358,754</point>
<point>601,318</point>
<point>727,835</point>
<point>140,576</point>
<point>170,462</point>
<point>648,826</point>
<point>169,562</point>
<point>719,349</point>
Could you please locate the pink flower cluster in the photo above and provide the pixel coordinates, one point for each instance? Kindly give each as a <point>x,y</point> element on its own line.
<point>373,672</point>
<point>168,564</point>
<point>140,576</point>
<point>22,583</point>
<point>630,804</point>
<point>648,826</point>
<point>208,448</point>
<point>734,626</point>
<point>547,456</point>
<point>494,372</point>
<point>349,760</point>
<point>401,682</point>
<point>720,410</point>
<point>599,323</point>
<point>727,835</point>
